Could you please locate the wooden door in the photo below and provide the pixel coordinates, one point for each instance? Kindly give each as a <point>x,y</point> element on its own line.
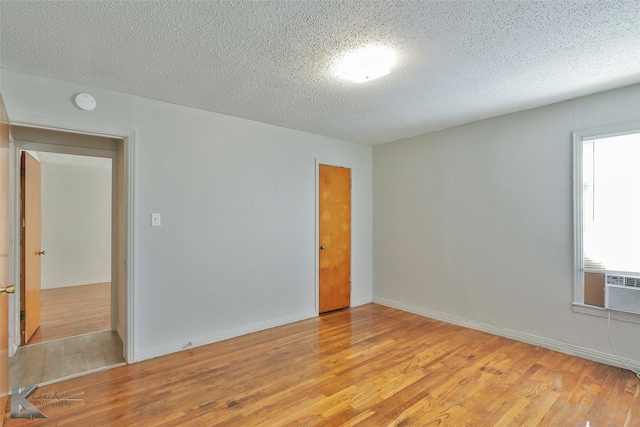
<point>31,251</point>
<point>4,258</point>
<point>335,238</point>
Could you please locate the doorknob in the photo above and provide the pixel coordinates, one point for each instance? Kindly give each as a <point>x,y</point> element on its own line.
<point>9,289</point>
<point>323,247</point>
<point>42,253</point>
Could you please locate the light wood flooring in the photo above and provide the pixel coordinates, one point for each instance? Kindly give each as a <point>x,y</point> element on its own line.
<point>74,337</point>
<point>74,310</point>
<point>366,366</point>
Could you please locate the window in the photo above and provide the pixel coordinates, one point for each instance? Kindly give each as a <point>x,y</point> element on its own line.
<point>607,209</point>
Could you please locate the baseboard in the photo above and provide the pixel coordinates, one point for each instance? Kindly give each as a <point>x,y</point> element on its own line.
<point>220,336</point>
<point>562,347</point>
<point>361,301</point>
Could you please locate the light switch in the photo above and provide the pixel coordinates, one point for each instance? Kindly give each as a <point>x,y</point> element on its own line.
<point>155,220</point>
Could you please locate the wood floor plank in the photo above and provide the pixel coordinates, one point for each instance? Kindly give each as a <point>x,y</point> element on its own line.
<point>605,413</point>
<point>633,417</point>
<point>366,366</point>
<point>595,414</point>
<point>73,310</point>
<point>621,416</point>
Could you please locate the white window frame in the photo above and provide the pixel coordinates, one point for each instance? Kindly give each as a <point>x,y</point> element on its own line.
<point>578,276</point>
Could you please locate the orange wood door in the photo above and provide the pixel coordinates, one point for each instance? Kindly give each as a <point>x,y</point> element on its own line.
<point>31,251</point>
<point>335,238</point>
<point>4,258</point>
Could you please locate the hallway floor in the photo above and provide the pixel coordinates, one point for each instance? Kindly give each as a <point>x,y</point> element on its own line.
<point>74,337</point>
<point>64,358</point>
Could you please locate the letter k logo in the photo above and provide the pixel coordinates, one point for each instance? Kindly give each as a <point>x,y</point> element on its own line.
<point>19,402</point>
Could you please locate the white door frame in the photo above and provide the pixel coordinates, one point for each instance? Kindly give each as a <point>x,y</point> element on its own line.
<point>125,155</point>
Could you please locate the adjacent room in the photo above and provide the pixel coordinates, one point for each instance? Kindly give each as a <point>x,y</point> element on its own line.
<point>70,331</point>
<point>322,213</point>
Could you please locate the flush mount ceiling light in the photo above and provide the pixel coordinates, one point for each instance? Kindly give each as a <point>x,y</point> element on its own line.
<point>365,63</point>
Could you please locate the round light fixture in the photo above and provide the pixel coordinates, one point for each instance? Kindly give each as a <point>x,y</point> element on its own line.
<point>365,63</point>
<point>86,102</point>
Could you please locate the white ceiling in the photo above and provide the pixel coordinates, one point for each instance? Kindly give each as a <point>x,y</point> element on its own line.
<point>269,61</point>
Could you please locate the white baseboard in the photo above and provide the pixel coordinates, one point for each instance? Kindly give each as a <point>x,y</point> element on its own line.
<point>361,301</point>
<point>562,347</point>
<point>220,336</point>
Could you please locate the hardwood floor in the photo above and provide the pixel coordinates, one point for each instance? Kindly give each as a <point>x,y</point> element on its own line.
<point>367,366</point>
<point>72,311</point>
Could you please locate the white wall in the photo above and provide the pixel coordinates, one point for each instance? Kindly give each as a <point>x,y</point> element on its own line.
<point>474,225</point>
<point>76,225</point>
<point>236,249</point>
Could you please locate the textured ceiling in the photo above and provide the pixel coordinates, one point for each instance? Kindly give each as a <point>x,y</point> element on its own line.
<point>269,61</point>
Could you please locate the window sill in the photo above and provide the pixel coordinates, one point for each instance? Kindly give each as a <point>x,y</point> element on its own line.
<point>602,312</point>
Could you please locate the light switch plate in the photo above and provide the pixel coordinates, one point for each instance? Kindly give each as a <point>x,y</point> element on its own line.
<point>155,220</point>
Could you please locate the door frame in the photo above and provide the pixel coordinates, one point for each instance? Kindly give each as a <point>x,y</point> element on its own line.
<point>123,159</point>
<point>316,252</point>
<point>53,147</point>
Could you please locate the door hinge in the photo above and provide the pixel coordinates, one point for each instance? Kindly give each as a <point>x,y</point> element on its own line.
<point>22,317</point>
<point>22,172</point>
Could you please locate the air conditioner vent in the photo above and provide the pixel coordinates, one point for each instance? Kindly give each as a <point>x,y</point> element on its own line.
<point>632,281</point>
<point>622,293</point>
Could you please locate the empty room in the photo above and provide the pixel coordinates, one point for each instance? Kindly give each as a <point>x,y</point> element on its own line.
<point>322,213</point>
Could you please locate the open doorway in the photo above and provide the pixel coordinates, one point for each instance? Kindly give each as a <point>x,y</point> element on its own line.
<point>82,297</point>
<point>74,256</point>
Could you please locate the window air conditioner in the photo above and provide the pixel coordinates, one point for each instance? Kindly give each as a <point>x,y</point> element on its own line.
<point>622,293</point>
